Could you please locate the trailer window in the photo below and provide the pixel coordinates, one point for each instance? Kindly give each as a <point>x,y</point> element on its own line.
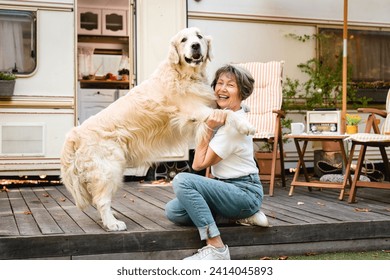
<point>368,52</point>
<point>18,41</point>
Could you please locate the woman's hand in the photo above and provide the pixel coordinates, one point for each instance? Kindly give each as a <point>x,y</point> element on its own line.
<point>216,119</point>
<point>204,155</point>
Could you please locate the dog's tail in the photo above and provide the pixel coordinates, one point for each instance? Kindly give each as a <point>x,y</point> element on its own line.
<point>69,171</point>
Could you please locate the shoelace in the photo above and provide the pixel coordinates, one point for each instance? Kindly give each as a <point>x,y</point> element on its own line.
<point>244,221</point>
<point>204,251</point>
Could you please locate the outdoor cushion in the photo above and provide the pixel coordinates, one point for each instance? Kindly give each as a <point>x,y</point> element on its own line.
<point>266,97</point>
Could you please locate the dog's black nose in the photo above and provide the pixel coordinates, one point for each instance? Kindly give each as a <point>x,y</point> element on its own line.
<point>195,46</point>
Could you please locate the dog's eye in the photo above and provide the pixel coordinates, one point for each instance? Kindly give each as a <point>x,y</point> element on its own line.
<point>183,40</point>
<point>200,36</point>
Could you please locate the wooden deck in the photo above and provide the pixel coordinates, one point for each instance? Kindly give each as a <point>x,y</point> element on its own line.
<point>43,222</point>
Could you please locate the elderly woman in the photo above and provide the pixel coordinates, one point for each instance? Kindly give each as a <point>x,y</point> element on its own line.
<point>236,191</point>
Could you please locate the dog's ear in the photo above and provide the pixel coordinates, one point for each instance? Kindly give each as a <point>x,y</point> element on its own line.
<point>173,55</point>
<point>209,49</point>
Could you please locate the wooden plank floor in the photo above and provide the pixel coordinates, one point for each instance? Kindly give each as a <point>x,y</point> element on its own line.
<point>43,222</point>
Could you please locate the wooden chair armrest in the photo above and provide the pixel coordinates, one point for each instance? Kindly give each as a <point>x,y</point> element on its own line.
<point>280,113</point>
<point>373,111</point>
<point>372,121</point>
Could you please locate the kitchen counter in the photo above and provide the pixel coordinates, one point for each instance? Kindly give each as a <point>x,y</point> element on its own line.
<point>104,84</point>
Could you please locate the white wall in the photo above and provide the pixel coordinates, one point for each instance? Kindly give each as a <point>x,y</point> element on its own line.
<point>362,11</point>
<point>54,75</point>
<point>245,42</point>
<point>253,30</point>
<point>51,1</point>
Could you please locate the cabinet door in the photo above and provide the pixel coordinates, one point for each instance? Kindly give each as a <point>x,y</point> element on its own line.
<point>89,21</point>
<point>122,92</point>
<point>90,109</point>
<point>114,22</point>
<point>92,101</point>
<point>97,95</point>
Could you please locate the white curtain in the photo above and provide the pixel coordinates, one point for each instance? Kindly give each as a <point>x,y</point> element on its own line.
<point>124,63</point>
<point>11,46</point>
<point>85,62</point>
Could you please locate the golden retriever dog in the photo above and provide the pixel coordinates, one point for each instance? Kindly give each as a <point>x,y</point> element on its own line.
<point>161,114</point>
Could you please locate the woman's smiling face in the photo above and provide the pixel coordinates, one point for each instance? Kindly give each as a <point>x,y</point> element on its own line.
<point>227,92</point>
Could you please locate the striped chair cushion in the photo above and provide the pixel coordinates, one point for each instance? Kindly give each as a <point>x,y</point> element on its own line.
<point>267,96</point>
<point>372,137</point>
<point>386,125</point>
<point>369,137</point>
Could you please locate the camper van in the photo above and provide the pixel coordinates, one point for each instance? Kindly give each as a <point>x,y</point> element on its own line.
<point>72,58</point>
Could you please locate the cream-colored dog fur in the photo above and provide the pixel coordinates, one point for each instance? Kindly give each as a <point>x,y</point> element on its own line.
<point>161,114</point>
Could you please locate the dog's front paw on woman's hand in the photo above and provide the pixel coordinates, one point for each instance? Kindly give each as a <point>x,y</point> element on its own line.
<point>246,128</point>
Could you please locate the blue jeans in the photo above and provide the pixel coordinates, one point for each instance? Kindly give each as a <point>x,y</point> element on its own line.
<point>198,198</point>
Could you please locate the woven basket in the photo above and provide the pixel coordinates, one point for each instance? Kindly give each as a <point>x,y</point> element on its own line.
<point>7,87</point>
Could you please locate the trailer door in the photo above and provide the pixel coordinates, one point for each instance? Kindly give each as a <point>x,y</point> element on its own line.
<point>154,23</point>
<point>157,21</point>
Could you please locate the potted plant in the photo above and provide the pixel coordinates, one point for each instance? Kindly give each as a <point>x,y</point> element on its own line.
<point>352,122</point>
<point>323,87</point>
<point>264,151</point>
<point>7,83</point>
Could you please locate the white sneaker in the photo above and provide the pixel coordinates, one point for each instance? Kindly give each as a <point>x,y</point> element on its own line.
<point>209,252</point>
<point>258,219</point>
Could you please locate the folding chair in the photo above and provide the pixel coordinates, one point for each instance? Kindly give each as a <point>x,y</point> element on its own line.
<point>380,139</point>
<point>265,111</point>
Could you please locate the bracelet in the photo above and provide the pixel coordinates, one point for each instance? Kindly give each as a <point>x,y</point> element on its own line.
<point>213,130</point>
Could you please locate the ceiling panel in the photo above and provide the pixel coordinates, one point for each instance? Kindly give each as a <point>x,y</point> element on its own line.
<point>104,3</point>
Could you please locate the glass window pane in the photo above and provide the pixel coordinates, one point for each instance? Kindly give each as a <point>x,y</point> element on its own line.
<point>18,41</point>
<point>368,52</point>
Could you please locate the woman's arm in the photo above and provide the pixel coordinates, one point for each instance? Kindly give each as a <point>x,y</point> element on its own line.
<point>204,156</point>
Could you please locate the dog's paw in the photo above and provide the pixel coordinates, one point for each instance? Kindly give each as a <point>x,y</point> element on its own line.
<point>246,128</point>
<point>116,226</point>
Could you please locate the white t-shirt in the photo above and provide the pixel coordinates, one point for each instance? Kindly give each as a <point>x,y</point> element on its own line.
<point>236,151</point>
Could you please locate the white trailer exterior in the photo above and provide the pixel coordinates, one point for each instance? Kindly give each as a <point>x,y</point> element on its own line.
<point>35,120</point>
<point>33,123</point>
<point>253,30</point>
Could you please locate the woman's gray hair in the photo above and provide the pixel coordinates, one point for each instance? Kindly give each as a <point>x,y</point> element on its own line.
<point>245,81</point>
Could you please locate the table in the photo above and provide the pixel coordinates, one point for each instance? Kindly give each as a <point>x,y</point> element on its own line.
<point>305,138</point>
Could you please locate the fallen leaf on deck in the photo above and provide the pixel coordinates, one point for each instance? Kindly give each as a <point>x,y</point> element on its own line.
<point>310,254</point>
<point>320,203</point>
<point>283,258</point>
<point>362,210</point>
<point>27,212</point>
<point>159,182</point>
<point>45,195</point>
<point>300,203</point>
<point>387,209</point>
<point>265,258</point>
<point>62,199</point>
<point>124,195</point>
